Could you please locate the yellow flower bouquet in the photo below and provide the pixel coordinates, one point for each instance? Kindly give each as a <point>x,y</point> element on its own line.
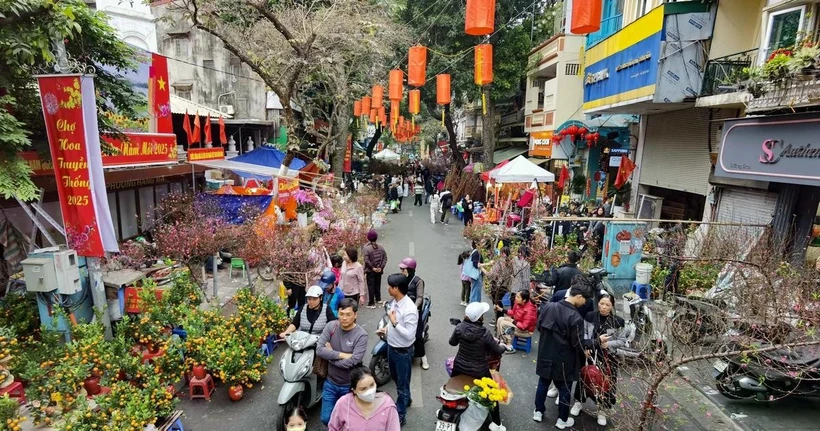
<point>486,392</point>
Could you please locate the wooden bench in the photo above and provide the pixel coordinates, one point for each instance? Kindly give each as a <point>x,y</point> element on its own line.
<point>172,423</point>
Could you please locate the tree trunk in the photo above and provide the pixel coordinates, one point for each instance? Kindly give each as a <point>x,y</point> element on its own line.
<point>373,142</point>
<point>489,132</point>
<point>290,125</point>
<point>338,153</point>
<point>458,161</point>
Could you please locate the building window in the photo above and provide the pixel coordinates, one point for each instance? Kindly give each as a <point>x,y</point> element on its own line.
<point>782,29</point>
<point>572,69</point>
<point>540,98</point>
<point>208,64</point>
<point>184,93</point>
<point>128,214</point>
<point>181,47</point>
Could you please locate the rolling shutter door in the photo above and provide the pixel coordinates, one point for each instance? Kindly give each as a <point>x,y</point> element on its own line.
<point>676,152</point>
<point>749,206</point>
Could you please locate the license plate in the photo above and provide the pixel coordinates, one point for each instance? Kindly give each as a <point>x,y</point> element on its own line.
<point>721,365</point>
<point>445,426</point>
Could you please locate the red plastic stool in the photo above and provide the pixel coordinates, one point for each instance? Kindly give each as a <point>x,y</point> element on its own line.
<point>201,388</point>
<point>148,358</point>
<point>15,390</point>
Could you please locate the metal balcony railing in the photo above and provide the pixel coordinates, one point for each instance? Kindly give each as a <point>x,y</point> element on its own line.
<point>721,73</point>
<point>609,26</point>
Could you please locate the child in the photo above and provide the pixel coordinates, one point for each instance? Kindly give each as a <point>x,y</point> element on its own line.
<point>464,259</point>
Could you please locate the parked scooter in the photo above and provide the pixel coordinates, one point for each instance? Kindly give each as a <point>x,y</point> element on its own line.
<point>302,386</point>
<point>776,373</point>
<point>378,361</point>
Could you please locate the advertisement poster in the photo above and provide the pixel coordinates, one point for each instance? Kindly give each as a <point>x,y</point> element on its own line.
<point>348,155</point>
<point>142,149</point>
<point>70,113</point>
<point>202,154</point>
<point>286,200</point>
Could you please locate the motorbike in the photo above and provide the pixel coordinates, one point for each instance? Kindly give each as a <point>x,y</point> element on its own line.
<point>301,386</point>
<point>378,360</point>
<point>776,373</point>
<point>453,397</point>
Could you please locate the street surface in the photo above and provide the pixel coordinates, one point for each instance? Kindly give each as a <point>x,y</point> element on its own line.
<point>436,248</point>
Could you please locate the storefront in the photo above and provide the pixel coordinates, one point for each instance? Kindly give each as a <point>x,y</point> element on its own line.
<point>783,151</point>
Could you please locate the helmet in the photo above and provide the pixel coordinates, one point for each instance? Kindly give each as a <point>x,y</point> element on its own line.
<point>408,262</point>
<point>327,280</point>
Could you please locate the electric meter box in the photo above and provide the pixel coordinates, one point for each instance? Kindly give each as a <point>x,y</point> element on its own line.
<point>52,269</point>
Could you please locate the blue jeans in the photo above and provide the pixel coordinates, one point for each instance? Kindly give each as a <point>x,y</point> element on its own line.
<point>330,395</point>
<point>400,364</point>
<point>563,396</point>
<point>475,289</point>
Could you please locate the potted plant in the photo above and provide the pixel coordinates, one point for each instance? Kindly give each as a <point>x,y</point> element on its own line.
<point>306,204</point>
<point>577,186</point>
<point>776,68</point>
<point>802,63</point>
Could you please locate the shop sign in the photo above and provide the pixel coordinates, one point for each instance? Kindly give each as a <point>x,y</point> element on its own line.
<point>203,154</point>
<point>38,166</point>
<point>141,149</point>
<point>775,149</point>
<point>70,114</point>
<point>541,144</point>
<point>348,155</point>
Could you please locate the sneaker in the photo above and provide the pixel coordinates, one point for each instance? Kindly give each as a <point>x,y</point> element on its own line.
<point>537,416</point>
<point>463,304</point>
<point>564,424</point>
<point>403,421</point>
<point>553,392</point>
<point>576,408</point>
<point>371,306</point>
<point>510,351</point>
<point>494,427</point>
<point>601,419</point>
<point>424,364</point>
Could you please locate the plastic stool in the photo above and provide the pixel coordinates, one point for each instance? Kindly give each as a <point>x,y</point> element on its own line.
<point>642,290</point>
<point>237,263</point>
<point>180,332</point>
<point>522,343</point>
<point>176,426</point>
<point>271,342</point>
<point>15,390</point>
<point>265,350</point>
<point>206,387</point>
<point>148,358</point>
<point>505,301</point>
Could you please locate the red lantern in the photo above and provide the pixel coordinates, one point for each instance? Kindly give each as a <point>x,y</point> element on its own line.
<point>378,96</point>
<point>588,137</point>
<point>414,104</point>
<point>572,130</point>
<point>357,108</point>
<point>596,136</point>
<point>366,105</point>
<point>557,138</point>
<point>586,16</point>
<point>564,132</point>
<point>483,64</point>
<point>443,89</point>
<point>480,17</point>
<point>396,87</point>
<point>374,115</point>
<point>394,111</point>
<point>582,131</point>
<point>382,115</point>
<point>417,66</point>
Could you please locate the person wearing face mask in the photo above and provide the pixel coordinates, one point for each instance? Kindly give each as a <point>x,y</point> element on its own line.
<point>294,420</point>
<point>364,408</point>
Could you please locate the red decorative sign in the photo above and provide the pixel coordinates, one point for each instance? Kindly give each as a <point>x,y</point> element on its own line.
<point>142,149</point>
<point>70,114</point>
<point>38,166</point>
<point>202,154</point>
<point>348,154</point>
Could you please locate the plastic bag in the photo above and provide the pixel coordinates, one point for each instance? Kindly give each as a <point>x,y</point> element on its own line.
<point>474,417</point>
<point>448,365</point>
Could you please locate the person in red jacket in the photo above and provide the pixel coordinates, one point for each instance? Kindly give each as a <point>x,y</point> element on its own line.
<point>522,317</point>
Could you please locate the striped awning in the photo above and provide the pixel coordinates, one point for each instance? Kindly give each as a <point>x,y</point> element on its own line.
<point>180,106</point>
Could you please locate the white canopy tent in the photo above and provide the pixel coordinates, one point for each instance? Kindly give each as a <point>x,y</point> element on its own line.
<point>387,155</point>
<point>521,170</point>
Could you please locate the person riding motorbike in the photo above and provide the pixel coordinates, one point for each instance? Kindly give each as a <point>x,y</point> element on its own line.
<point>313,318</point>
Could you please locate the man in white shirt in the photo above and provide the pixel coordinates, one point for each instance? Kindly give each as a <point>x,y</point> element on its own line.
<point>401,335</point>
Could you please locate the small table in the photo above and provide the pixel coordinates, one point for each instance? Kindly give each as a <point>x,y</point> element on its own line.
<point>116,281</point>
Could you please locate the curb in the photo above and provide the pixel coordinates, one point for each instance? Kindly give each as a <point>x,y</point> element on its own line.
<point>719,419</point>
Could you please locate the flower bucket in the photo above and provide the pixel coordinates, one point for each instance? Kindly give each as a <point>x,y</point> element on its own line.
<point>474,417</point>
<point>235,393</point>
<point>301,218</point>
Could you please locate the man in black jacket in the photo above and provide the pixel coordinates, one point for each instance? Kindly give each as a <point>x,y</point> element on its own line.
<point>560,350</point>
<point>561,278</point>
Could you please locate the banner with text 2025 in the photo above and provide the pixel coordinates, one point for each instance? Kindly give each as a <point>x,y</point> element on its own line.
<point>70,113</point>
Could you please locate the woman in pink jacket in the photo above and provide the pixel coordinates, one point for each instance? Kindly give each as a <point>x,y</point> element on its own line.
<point>353,282</point>
<point>364,409</point>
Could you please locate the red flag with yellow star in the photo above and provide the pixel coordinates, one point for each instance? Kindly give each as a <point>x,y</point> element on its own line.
<point>160,98</point>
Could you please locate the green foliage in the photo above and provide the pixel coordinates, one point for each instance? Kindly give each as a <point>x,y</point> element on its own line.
<point>698,276</point>
<point>27,29</point>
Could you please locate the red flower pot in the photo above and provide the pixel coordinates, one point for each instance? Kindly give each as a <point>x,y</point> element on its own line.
<point>236,392</point>
<point>199,371</point>
<point>92,385</point>
<point>121,375</point>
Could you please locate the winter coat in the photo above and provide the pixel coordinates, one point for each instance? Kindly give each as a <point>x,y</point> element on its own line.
<point>393,193</point>
<point>346,415</point>
<point>596,325</point>
<point>374,257</point>
<point>560,342</point>
<point>561,278</point>
<point>446,200</point>
<point>524,315</point>
<point>475,342</point>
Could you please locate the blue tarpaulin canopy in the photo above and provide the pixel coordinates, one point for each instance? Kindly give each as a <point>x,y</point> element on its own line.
<point>233,206</point>
<point>264,156</point>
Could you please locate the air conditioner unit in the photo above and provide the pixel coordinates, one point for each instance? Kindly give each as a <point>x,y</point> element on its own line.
<point>226,109</point>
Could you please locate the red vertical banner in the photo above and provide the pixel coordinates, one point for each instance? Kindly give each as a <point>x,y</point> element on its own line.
<point>159,95</point>
<point>348,155</point>
<point>70,113</point>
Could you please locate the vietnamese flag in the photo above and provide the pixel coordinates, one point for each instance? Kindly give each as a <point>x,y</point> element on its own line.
<point>160,98</point>
<point>208,139</point>
<point>624,172</point>
<point>196,128</point>
<point>222,136</point>
<point>563,177</point>
<point>186,126</point>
